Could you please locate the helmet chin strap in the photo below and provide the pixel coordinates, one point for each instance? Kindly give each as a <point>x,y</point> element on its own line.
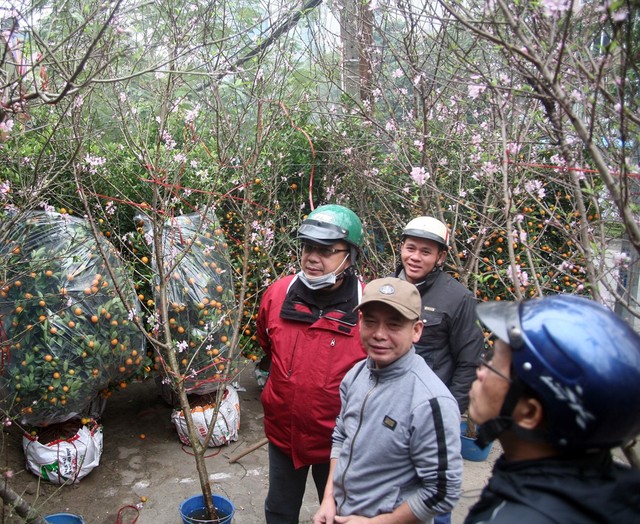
<point>342,273</point>
<point>492,429</point>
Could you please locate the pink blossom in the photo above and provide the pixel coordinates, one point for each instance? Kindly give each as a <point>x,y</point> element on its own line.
<point>620,15</point>
<point>5,189</point>
<point>6,126</point>
<point>191,115</point>
<point>552,7</point>
<point>168,140</point>
<point>621,260</point>
<point>419,175</point>
<point>489,168</point>
<point>519,235</point>
<point>513,148</point>
<point>521,278</point>
<point>331,190</point>
<point>475,90</point>
<point>536,188</point>
<point>94,163</point>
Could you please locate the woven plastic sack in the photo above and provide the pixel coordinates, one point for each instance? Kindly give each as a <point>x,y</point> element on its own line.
<point>226,426</point>
<point>65,461</point>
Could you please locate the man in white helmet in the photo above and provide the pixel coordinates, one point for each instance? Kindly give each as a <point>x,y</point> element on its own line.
<point>451,341</point>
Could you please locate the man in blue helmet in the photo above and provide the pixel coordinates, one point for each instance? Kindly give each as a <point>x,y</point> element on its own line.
<point>561,389</point>
<point>308,329</point>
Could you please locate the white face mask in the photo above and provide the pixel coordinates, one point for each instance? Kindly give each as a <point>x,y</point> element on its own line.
<point>323,281</point>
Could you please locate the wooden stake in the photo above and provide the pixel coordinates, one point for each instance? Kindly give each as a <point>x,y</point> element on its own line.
<point>250,449</point>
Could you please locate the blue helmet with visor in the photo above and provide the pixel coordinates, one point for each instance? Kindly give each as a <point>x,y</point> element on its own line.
<point>580,359</point>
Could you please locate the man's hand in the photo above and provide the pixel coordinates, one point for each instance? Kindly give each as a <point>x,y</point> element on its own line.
<point>326,514</point>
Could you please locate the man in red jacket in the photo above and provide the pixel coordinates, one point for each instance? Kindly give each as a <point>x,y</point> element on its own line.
<point>308,330</point>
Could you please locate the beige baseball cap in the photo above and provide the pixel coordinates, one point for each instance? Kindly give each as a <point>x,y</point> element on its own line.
<point>395,292</point>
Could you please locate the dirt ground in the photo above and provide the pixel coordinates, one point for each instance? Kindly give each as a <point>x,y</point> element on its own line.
<point>156,473</point>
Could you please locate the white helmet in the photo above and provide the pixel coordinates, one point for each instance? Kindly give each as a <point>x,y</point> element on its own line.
<point>429,228</point>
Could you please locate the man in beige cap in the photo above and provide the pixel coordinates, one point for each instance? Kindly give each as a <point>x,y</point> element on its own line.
<point>396,445</point>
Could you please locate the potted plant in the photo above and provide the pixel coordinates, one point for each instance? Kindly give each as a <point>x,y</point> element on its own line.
<point>468,435</point>
<point>194,334</point>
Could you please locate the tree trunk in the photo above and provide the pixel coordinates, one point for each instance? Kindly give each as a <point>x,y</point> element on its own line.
<point>22,507</point>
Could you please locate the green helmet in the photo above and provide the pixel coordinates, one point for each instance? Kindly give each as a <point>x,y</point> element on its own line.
<point>328,224</point>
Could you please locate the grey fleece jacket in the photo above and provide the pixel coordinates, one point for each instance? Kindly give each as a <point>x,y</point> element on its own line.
<point>397,438</point>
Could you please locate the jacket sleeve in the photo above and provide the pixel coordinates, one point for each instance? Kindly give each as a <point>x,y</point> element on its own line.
<point>338,436</point>
<point>435,452</point>
<point>467,344</point>
<point>262,322</point>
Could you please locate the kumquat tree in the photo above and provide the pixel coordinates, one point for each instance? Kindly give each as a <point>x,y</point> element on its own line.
<point>155,159</point>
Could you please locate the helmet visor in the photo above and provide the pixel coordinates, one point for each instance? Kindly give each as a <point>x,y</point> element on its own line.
<point>503,319</point>
<point>419,233</point>
<point>322,233</point>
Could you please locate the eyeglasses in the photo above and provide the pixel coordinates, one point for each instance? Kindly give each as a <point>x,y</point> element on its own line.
<point>487,364</point>
<point>324,252</point>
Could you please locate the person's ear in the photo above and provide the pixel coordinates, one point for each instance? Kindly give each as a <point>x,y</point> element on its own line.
<point>417,330</point>
<point>442,255</point>
<point>528,413</point>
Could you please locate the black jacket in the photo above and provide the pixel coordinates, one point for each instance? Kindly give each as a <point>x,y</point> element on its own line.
<point>452,340</point>
<point>587,490</point>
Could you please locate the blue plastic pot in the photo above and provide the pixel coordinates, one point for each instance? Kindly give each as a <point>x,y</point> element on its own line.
<point>63,518</point>
<point>193,509</point>
<point>470,450</point>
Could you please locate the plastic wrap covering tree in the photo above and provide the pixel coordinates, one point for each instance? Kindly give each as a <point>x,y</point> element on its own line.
<point>66,335</point>
<point>201,300</point>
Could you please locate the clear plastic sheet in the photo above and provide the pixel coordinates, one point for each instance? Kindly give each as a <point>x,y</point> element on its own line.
<point>65,335</point>
<point>201,299</point>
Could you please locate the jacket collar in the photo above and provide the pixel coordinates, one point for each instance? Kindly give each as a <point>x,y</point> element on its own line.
<point>426,283</point>
<point>305,305</point>
<point>395,370</point>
